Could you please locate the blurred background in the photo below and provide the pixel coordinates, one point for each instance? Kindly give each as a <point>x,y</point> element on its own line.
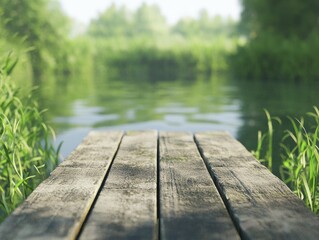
<point>165,65</point>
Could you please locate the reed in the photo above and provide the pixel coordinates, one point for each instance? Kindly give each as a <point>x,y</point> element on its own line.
<point>264,151</point>
<point>299,168</point>
<point>26,152</point>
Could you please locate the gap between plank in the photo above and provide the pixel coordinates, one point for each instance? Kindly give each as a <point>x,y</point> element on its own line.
<point>158,205</point>
<point>221,193</point>
<point>100,188</point>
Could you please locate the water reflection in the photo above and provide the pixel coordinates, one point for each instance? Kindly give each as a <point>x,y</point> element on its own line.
<point>218,103</point>
<point>114,103</point>
<point>281,99</point>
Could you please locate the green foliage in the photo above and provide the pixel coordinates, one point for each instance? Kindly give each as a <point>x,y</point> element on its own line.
<point>293,18</point>
<point>113,22</point>
<point>8,65</point>
<point>148,21</point>
<point>26,152</point>
<point>271,57</point>
<point>282,41</point>
<point>300,158</point>
<point>141,44</point>
<point>41,28</point>
<point>116,22</point>
<point>140,59</point>
<point>262,153</point>
<point>205,27</point>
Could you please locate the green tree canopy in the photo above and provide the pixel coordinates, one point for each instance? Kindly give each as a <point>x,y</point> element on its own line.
<point>115,21</point>
<point>149,21</point>
<point>286,18</point>
<point>205,26</point>
<point>37,24</point>
<point>283,40</point>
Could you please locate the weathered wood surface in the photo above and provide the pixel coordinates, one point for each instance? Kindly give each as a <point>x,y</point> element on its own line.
<point>58,206</point>
<point>262,206</point>
<point>126,207</point>
<point>141,186</point>
<point>190,205</point>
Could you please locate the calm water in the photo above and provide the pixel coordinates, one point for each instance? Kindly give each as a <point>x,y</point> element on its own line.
<point>216,104</point>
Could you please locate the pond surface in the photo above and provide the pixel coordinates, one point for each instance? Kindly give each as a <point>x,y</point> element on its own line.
<point>218,103</point>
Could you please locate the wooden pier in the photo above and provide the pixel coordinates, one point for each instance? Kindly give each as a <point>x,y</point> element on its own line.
<point>161,185</point>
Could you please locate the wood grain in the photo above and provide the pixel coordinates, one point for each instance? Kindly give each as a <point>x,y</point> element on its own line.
<point>126,207</point>
<point>262,206</point>
<point>58,206</point>
<point>190,205</point>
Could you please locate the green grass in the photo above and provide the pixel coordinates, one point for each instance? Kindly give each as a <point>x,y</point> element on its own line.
<point>26,152</point>
<point>300,156</point>
<point>264,151</point>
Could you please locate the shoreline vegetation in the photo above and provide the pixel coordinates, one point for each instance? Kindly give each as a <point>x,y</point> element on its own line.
<point>139,44</point>
<point>282,41</point>
<point>299,155</point>
<point>26,151</point>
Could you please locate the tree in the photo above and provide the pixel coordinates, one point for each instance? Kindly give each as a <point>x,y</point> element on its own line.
<point>285,18</point>
<point>37,25</point>
<point>205,26</point>
<point>186,27</point>
<point>149,21</point>
<point>113,22</point>
<point>283,40</point>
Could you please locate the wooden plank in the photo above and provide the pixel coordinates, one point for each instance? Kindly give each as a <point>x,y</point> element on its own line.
<point>126,207</point>
<point>190,205</point>
<point>262,206</point>
<point>58,206</point>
